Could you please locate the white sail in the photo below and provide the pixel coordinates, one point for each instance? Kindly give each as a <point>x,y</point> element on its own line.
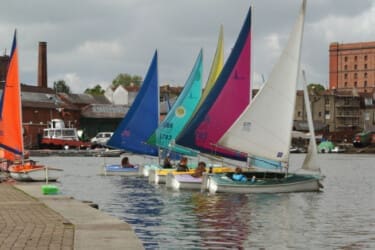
<point>310,162</point>
<point>264,128</point>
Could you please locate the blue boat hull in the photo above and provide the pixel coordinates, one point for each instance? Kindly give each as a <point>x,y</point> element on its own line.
<point>116,169</point>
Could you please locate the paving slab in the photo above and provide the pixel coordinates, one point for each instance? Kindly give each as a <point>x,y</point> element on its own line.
<point>93,229</point>
<point>27,223</point>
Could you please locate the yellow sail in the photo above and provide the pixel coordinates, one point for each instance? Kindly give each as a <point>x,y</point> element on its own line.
<point>216,67</point>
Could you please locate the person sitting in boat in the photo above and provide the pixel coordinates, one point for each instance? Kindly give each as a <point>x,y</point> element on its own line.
<point>125,163</point>
<point>238,175</point>
<point>167,162</point>
<point>182,166</point>
<point>199,170</point>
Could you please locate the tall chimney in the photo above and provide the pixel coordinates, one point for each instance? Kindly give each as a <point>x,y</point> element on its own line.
<point>42,65</point>
<point>4,63</point>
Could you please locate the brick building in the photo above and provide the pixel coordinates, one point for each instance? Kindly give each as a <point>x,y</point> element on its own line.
<point>352,65</point>
<point>337,115</point>
<point>4,62</point>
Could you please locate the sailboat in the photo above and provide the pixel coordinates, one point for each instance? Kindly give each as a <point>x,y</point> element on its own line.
<point>310,162</point>
<point>168,129</point>
<point>264,129</point>
<point>180,112</point>
<point>11,138</point>
<point>139,123</point>
<point>227,99</point>
<point>224,103</point>
<point>177,117</point>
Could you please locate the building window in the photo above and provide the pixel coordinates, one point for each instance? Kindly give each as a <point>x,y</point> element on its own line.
<point>365,75</point>
<point>365,84</point>
<point>346,84</point>
<point>365,57</point>
<point>327,101</point>
<point>355,84</point>
<point>299,113</point>
<point>355,58</point>
<point>355,66</point>
<point>320,114</point>
<point>355,75</point>
<point>345,76</point>
<point>346,59</point>
<point>346,67</point>
<point>365,65</point>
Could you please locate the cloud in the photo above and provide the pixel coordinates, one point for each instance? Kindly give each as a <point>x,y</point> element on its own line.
<point>96,40</point>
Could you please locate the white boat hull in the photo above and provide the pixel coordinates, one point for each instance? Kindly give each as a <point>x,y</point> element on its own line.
<point>40,174</point>
<point>37,174</point>
<point>309,185</point>
<point>20,176</point>
<point>155,178</point>
<point>185,181</point>
<point>145,169</point>
<point>117,170</point>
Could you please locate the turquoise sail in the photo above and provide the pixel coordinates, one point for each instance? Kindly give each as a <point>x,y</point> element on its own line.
<point>142,118</point>
<point>180,112</point>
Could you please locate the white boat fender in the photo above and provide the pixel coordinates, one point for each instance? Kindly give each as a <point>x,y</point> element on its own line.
<point>253,179</point>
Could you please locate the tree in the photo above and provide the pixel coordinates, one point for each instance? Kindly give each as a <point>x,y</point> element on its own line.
<point>315,88</point>
<point>61,87</point>
<point>97,90</point>
<point>127,80</point>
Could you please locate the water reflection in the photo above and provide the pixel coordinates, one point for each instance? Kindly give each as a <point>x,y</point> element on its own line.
<point>222,220</point>
<point>340,217</point>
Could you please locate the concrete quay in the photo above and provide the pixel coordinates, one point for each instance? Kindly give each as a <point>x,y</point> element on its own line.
<point>31,220</point>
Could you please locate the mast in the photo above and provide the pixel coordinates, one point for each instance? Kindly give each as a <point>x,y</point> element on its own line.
<point>264,128</point>
<point>15,50</point>
<point>158,98</point>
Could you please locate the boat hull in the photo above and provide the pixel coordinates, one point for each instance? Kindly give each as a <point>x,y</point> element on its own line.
<point>159,176</point>
<point>292,183</point>
<point>184,180</point>
<point>116,169</point>
<point>34,173</point>
<point>145,169</point>
<point>20,176</point>
<point>40,174</point>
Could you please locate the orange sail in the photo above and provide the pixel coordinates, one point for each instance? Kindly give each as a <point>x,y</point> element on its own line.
<point>10,109</point>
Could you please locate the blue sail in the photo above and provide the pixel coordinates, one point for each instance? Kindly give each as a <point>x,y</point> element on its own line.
<point>181,111</point>
<point>142,118</point>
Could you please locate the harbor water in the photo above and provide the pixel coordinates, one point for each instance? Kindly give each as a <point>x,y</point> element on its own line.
<point>342,216</point>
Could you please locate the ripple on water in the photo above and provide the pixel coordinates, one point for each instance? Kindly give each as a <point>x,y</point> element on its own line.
<point>340,217</point>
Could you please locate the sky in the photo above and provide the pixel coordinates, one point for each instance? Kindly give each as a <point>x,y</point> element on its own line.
<point>90,42</point>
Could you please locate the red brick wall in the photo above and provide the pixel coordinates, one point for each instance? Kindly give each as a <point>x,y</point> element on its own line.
<point>352,65</point>
<point>333,66</point>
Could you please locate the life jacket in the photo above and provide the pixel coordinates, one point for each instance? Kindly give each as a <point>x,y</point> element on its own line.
<point>239,177</point>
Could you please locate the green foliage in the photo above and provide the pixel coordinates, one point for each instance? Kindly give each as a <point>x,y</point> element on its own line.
<point>97,90</point>
<point>315,88</point>
<point>127,80</point>
<point>60,86</point>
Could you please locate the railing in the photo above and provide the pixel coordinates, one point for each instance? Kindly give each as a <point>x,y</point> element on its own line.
<point>348,114</point>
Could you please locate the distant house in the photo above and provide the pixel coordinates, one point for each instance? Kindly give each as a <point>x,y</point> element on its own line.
<point>108,93</point>
<point>121,95</point>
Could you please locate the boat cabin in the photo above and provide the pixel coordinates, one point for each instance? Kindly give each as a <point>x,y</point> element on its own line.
<point>57,130</point>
